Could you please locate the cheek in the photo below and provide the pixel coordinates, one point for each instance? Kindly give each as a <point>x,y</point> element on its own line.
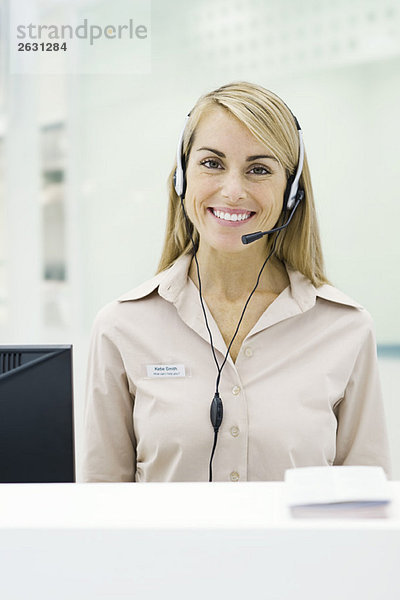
<point>270,196</point>
<point>193,208</point>
<point>198,193</point>
<point>278,193</point>
<point>201,186</point>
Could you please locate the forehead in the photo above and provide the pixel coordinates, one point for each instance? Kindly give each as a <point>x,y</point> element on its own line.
<point>218,128</point>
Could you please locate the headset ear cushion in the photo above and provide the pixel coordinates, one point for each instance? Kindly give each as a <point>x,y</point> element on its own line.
<point>180,178</point>
<point>286,194</point>
<point>179,182</point>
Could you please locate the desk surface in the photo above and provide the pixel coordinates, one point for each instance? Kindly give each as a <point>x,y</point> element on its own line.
<point>164,506</point>
<point>180,541</point>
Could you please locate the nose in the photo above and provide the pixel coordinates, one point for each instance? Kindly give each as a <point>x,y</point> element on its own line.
<point>233,187</point>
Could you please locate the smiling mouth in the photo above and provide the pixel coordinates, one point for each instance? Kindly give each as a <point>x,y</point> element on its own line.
<point>231,215</point>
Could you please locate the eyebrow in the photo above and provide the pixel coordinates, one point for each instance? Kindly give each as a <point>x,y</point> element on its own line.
<point>249,158</point>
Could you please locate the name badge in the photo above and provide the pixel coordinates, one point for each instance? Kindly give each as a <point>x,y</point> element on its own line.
<point>158,371</point>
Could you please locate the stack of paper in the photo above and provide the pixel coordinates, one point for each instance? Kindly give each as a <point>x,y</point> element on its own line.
<point>342,492</point>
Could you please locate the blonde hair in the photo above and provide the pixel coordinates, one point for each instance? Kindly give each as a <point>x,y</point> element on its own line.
<point>270,121</point>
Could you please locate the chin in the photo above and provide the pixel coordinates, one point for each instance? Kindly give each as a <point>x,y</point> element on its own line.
<point>231,246</point>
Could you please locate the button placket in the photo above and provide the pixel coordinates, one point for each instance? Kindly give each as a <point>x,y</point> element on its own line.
<point>236,431</point>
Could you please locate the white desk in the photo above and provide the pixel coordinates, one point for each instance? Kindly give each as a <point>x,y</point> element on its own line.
<point>187,541</point>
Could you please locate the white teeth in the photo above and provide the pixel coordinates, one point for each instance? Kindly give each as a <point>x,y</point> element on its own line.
<point>231,217</point>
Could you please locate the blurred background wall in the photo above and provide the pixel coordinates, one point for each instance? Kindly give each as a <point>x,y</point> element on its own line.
<point>85,153</point>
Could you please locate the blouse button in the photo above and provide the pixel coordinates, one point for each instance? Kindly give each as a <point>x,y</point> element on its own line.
<point>248,351</point>
<point>235,390</point>
<point>234,476</point>
<point>235,431</point>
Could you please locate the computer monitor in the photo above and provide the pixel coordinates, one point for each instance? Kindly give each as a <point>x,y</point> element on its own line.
<point>36,414</point>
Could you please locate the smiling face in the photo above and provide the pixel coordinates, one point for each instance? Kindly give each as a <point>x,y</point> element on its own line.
<point>234,184</point>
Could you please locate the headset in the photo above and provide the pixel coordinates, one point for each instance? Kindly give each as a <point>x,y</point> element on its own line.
<point>293,195</point>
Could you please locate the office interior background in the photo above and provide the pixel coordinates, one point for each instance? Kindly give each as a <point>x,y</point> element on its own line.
<point>85,154</point>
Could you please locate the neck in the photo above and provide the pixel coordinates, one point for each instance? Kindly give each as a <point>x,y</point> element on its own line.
<point>232,276</point>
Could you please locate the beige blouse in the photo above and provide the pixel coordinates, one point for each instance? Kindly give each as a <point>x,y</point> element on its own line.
<point>303,391</point>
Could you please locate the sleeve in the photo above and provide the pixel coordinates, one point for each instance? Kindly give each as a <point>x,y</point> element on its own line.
<point>361,437</point>
<point>108,450</point>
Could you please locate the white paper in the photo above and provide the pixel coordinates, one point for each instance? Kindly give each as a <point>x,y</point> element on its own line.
<point>336,485</point>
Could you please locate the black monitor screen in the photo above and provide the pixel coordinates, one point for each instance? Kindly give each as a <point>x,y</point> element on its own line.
<point>36,414</point>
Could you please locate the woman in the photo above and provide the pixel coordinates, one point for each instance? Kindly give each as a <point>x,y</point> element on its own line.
<point>254,329</point>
